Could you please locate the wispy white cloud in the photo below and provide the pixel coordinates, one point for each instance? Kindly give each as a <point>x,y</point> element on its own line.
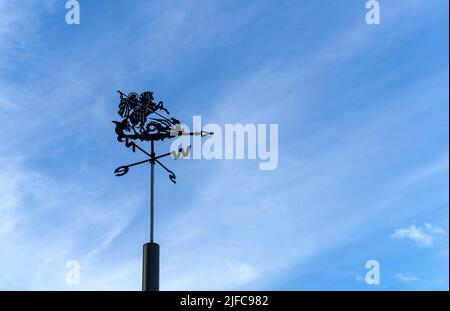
<point>406,278</point>
<point>17,27</point>
<point>289,213</point>
<point>423,236</point>
<point>44,223</point>
<point>433,168</point>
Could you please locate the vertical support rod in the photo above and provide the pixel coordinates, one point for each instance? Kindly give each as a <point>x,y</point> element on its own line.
<point>152,191</point>
<point>150,261</point>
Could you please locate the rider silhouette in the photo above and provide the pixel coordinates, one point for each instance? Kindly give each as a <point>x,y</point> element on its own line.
<point>137,108</point>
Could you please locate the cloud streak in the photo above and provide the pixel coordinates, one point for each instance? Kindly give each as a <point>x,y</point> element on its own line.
<point>406,278</point>
<point>423,236</point>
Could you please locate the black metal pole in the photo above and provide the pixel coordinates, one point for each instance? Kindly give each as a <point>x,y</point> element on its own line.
<point>150,262</point>
<point>152,191</point>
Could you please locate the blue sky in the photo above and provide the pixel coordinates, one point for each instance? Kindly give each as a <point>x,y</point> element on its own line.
<point>363,144</point>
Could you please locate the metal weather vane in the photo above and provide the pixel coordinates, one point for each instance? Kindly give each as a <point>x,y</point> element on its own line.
<point>144,120</point>
<point>139,123</point>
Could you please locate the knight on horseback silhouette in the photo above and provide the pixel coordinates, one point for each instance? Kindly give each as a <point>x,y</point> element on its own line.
<point>136,109</point>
